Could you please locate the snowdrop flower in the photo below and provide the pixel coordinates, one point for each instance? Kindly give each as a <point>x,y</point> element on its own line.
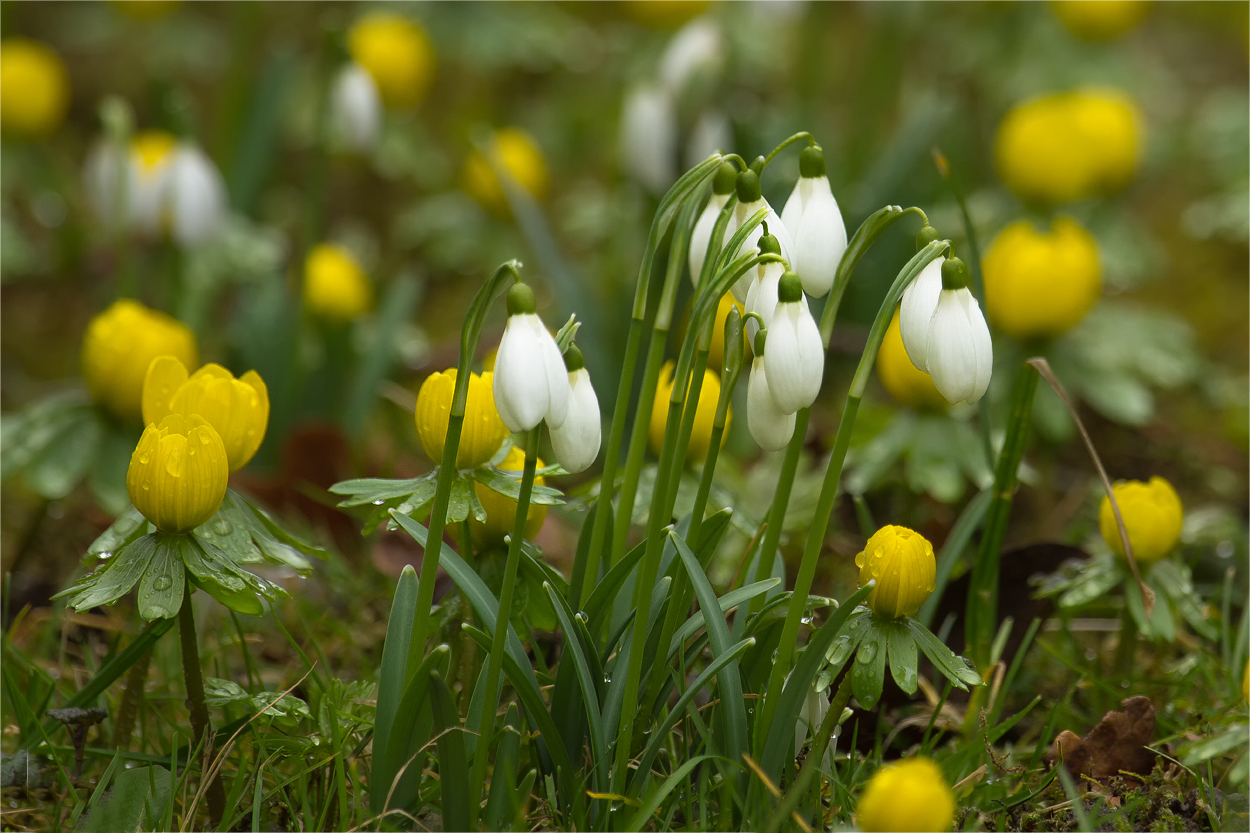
<point>796,355</point>
<point>722,189</point>
<point>195,196</point>
<point>812,217</point>
<point>770,426</point>
<point>749,202</point>
<point>945,333</point>
<point>696,49</point>
<point>762,296</point>
<point>147,175</point>
<point>576,442</point>
<point>649,137</point>
<point>815,707</point>
<point>531,383</point>
<point>711,133</point>
<point>356,108</point>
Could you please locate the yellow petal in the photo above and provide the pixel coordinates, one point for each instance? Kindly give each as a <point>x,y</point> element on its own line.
<point>166,374</point>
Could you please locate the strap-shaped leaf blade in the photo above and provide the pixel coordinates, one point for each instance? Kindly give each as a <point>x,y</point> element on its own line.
<point>453,768</point>
<point>726,602</point>
<point>590,692</point>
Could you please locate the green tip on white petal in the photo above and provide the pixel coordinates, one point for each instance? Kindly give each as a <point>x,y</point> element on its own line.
<point>725,179</point>
<point>812,162</point>
<point>925,236</point>
<point>789,288</point>
<point>573,359</point>
<point>954,274</point>
<point>748,187</point>
<point>521,300</point>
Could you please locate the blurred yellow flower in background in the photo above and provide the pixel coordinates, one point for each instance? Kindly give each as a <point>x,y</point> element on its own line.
<point>238,409</point>
<point>482,432</point>
<point>520,156</point>
<point>716,348</point>
<point>1041,283</point>
<point>1069,146</point>
<point>1100,20</point>
<point>178,473</point>
<point>901,379</point>
<point>34,88</point>
<point>665,14</point>
<point>151,149</point>
<point>335,287</point>
<point>1152,515</point>
<point>501,510</point>
<point>396,51</point>
<point>118,348</point>
<point>704,415</point>
<point>908,795</point>
<point>903,564</point>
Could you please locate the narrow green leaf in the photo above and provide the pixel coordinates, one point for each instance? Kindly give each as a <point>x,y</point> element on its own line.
<point>966,524</point>
<point>453,768</point>
<point>501,808</point>
<point>590,692</point>
<point>392,677</point>
<point>726,603</point>
<point>648,808</point>
<point>599,605</point>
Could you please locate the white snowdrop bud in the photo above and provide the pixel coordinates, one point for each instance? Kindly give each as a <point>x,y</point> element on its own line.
<point>812,217</point>
<point>530,383</point>
<point>916,312</point>
<point>649,137</point>
<point>576,442</point>
<point>749,202</point>
<point>796,355</point>
<point>195,196</point>
<point>762,296</point>
<point>959,352</point>
<point>722,189</point>
<point>696,49</point>
<point>769,425</point>
<point>356,108</point>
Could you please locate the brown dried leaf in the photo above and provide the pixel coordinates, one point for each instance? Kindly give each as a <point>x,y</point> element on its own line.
<point>1116,745</point>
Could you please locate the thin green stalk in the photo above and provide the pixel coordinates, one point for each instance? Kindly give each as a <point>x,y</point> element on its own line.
<point>500,638</point>
<point>195,702</point>
<point>781,501</point>
<point>785,144</point>
<point>829,488</point>
<point>981,618</point>
<point>811,766</point>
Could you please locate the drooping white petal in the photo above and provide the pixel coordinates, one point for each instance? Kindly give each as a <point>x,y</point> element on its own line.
<point>196,196</point>
<point>770,427</point>
<point>794,356</point>
<point>523,365</point>
<point>983,345</point>
<point>576,442</point>
<point>649,138</point>
<point>702,234</point>
<point>815,707</point>
<point>557,376</point>
<point>696,48</point>
<point>916,312</point>
<point>146,195</point>
<point>951,350</point>
<point>776,228</point>
<point>104,180</point>
<point>815,224</point>
<point>356,108</point>
<point>762,296</point>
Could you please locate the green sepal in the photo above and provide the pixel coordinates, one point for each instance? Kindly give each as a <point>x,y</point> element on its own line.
<point>249,536</point>
<point>951,666</point>
<point>108,584</point>
<point>868,672</point>
<point>128,527</point>
<point>847,639</point>
<point>164,581</point>
<point>464,500</point>
<point>903,657</point>
<point>504,483</point>
<point>1177,583</point>
<point>213,571</point>
<point>408,497</point>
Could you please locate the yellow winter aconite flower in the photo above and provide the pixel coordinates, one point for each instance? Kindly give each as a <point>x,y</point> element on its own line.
<point>1152,515</point>
<point>34,88</point>
<point>482,433</point>
<point>1100,20</point>
<point>178,473</point>
<point>335,287</point>
<point>908,385</point>
<point>121,343</point>
<point>908,795</point>
<point>396,51</point>
<point>501,510</point>
<point>704,414</point>
<point>1041,283</point>
<point>519,155</point>
<point>1069,146</point>
<point>237,409</point>
<point>903,564</point>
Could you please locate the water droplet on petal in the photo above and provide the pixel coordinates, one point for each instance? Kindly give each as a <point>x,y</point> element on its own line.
<point>145,458</point>
<point>223,527</point>
<point>163,583</point>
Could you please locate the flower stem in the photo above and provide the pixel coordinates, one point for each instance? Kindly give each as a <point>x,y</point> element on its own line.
<point>195,702</point>
<point>495,667</point>
<point>811,766</point>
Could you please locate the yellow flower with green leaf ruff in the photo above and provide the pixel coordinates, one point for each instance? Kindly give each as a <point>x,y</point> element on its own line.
<point>501,510</point>
<point>1152,515</point>
<point>908,795</point>
<point>178,473</point>
<point>904,567</point>
<point>118,348</point>
<point>482,432</point>
<point>1041,283</point>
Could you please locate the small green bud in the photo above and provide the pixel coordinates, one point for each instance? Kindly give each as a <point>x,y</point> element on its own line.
<point>726,176</point>
<point>954,274</point>
<point>748,186</point>
<point>790,289</point>
<point>573,359</point>
<point>926,236</point>
<point>768,244</point>
<point>761,336</point>
<point>758,165</point>
<point>812,162</point>
<point>521,300</point>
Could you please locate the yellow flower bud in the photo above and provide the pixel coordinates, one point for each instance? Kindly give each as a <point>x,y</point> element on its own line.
<point>665,14</point>
<point>398,54</point>
<point>151,149</point>
<point>482,432</point>
<point>501,510</point>
<point>238,409</point>
<point>520,156</point>
<point>908,385</point>
<point>908,795</point>
<point>1152,515</point>
<point>1069,146</point>
<point>902,562</point>
<point>704,414</point>
<point>1101,20</point>
<point>335,287</point>
<point>178,473</point>
<point>1041,284</point>
<point>121,343</point>
<point>34,88</point>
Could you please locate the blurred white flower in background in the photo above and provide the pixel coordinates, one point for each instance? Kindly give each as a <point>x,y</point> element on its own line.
<point>355,109</point>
